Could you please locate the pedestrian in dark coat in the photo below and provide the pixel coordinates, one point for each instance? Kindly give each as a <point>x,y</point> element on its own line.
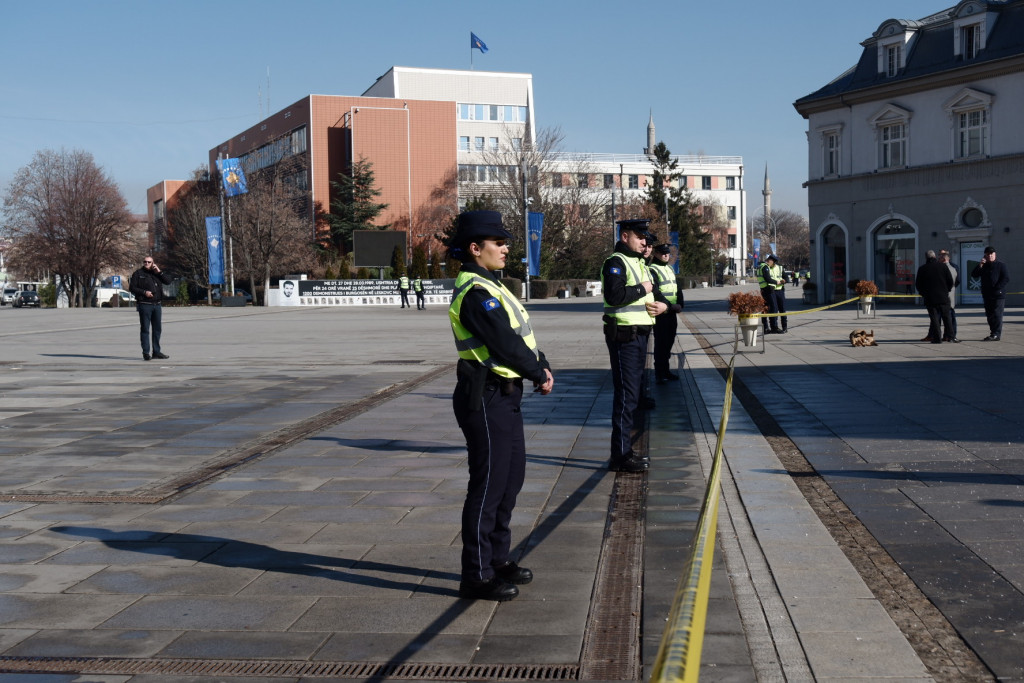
<point>994,277</point>
<point>933,284</point>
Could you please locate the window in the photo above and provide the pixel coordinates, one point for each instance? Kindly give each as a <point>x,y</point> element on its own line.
<point>831,160</point>
<point>492,112</point>
<point>970,41</point>
<point>517,144</point>
<point>158,210</point>
<point>730,183</point>
<point>478,112</point>
<point>582,181</point>
<point>478,143</point>
<point>463,143</point>
<point>705,182</point>
<point>465,173</point>
<point>894,146</point>
<point>634,182</point>
<point>464,112</point>
<point>972,130</point>
<point>732,241</point>
<point>609,180</point>
<point>731,212</point>
<point>893,57</point>
<point>493,146</point>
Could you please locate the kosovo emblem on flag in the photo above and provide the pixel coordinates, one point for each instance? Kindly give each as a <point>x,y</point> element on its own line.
<point>492,304</point>
<point>476,43</point>
<point>232,176</point>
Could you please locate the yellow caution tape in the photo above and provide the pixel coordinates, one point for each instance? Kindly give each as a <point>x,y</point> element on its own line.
<point>680,649</point>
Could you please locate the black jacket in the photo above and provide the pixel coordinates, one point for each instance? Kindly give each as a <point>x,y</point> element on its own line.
<point>994,278</point>
<point>934,282</point>
<point>143,281</point>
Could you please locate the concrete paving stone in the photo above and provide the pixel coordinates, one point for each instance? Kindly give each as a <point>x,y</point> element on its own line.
<point>16,530</point>
<point>861,655</point>
<point>9,637</point>
<point>382,484</point>
<point>389,534</point>
<point>266,532</point>
<point>245,645</point>
<point>210,612</point>
<point>540,618</point>
<point>397,615</point>
<point>528,649</point>
<point>101,513</point>
<point>836,613</point>
<point>415,557</point>
<point>162,580</point>
<point>93,643</point>
<point>129,553</point>
<point>399,647</point>
<point>123,532</point>
<point>41,578</point>
<point>999,554</point>
<point>30,551</point>
<point>43,611</point>
<point>274,483</point>
<point>7,509</point>
<point>417,499</point>
<point>302,498</point>
<point>288,556</point>
<point>927,532</point>
<point>344,582</point>
<point>674,501</point>
<point>981,531</point>
<point>448,515</point>
<point>198,513</point>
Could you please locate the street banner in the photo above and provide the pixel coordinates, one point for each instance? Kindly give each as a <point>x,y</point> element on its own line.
<point>673,238</point>
<point>536,227</point>
<point>757,250</point>
<point>215,249</point>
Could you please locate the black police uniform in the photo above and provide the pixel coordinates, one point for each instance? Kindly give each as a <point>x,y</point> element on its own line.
<point>627,352</point>
<point>421,301</point>
<point>487,408</point>
<point>665,327</point>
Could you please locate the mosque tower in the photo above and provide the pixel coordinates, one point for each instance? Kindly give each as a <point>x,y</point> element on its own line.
<point>649,149</point>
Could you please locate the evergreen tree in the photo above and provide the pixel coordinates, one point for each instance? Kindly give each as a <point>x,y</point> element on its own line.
<point>419,262</point>
<point>435,266</point>
<point>684,214</point>
<point>397,262</point>
<point>354,207</point>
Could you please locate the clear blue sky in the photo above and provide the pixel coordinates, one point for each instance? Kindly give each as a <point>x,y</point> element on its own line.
<point>148,88</point>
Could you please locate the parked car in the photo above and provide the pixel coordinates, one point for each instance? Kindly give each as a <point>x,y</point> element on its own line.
<point>24,299</point>
<point>238,292</point>
<point>103,296</point>
<point>8,295</point>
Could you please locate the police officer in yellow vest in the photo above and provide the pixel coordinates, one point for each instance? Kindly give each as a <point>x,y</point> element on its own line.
<point>403,289</point>
<point>629,310</point>
<point>773,283</point>
<point>667,289</point>
<point>417,286</point>
<point>497,351</point>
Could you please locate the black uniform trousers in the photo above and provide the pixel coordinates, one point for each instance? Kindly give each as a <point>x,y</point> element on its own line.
<point>994,315</point>
<point>940,323</point>
<point>405,297</point>
<point>776,300</point>
<point>628,359</point>
<point>497,469</point>
<point>421,300</point>
<point>664,338</point>
<point>150,319</point>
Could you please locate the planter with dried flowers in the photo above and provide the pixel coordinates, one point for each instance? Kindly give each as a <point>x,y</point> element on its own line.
<point>745,306</point>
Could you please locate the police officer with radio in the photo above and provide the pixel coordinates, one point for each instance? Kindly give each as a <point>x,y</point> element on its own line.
<point>403,289</point>
<point>667,289</point>
<point>497,351</point>
<point>417,286</point>
<point>629,311</point>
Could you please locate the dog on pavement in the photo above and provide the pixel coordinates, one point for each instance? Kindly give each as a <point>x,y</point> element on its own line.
<point>863,338</point>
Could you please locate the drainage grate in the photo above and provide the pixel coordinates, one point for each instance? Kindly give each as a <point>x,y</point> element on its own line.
<point>240,667</point>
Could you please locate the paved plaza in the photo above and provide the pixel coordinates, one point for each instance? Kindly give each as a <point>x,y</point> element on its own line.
<point>280,501</point>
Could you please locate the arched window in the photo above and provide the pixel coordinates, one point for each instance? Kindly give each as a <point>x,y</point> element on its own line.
<point>895,247</point>
<point>833,258</point>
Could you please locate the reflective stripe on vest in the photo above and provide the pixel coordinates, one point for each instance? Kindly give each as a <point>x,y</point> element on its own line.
<point>471,348</point>
<point>403,282</point>
<point>417,285</point>
<point>665,280</point>
<point>761,282</point>
<point>634,313</point>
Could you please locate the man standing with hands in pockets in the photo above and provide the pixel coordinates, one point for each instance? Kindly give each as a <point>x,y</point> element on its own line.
<point>146,284</point>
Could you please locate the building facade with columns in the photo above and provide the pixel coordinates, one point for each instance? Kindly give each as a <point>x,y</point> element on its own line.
<point>919,146</point>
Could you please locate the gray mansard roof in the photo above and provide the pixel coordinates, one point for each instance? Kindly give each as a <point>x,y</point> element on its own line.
<point>930,51</point>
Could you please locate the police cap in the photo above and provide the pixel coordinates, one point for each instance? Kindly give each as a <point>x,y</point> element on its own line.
<point>663,249</point>
<point>771,257</point>
<point>638,225</point>
<point>477,225</point>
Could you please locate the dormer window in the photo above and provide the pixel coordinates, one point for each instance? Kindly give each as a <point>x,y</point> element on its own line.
<point>970,41</point>
<point>893,40</point>
<point>972,24</point>
<point>893,59</point>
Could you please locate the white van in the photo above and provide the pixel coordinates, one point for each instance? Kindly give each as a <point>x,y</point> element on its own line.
<point>104,297</point>
<point>8,295</point>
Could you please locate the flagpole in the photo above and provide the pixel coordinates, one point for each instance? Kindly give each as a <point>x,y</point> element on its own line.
<point>470,50</point>
<point>209,289</point>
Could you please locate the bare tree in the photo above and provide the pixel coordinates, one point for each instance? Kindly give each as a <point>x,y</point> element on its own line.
<point>187,247</point>
<point>793,243</point>
<point>65,216</point>
<point>271,235</point>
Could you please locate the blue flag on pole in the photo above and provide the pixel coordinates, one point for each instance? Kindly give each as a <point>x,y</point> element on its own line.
<point>232,176</point>
<point>536,227</point>
<point>475,42</point>
<point>215,249</point>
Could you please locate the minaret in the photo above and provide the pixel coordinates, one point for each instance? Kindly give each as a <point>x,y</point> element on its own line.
<point>767,192</point>
<point>650,136</point>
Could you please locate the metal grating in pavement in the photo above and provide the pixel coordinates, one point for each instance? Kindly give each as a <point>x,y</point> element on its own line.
<point>226,667</point>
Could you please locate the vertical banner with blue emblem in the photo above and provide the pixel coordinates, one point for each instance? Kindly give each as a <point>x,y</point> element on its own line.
<point>232,176</point>
<point>215,249</point>
<point>673,238</point>
<point>757,250</point>
<point>536,227</point>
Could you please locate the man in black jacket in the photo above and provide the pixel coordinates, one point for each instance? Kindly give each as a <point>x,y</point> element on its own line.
<point>994,277</point>
<point>146,284</point>
<point>933,284</point>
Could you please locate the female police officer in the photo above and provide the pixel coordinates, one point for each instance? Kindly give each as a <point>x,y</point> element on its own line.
<point>497,350</point>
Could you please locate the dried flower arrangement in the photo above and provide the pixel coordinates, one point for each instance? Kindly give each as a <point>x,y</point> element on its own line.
<point>745,304</point>
<point>864,287</point>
